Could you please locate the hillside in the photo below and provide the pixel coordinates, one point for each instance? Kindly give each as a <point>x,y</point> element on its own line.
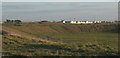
<point>60,39</point>
<point>64,28</point>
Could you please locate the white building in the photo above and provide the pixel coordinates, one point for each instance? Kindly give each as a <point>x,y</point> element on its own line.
<point>81,22</point>
<point>64,21</point>
<point>84,22</point>
<point>97,21</point>
<point>88,22</point>
<point>73,22</point>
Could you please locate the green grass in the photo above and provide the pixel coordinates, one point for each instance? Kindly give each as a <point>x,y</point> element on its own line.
<point>102,38</point>
<point>13,45</point>
<point>77,39</point>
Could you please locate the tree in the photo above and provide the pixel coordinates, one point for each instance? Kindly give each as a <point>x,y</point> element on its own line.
<point>18,21</point>
<point>7,20</point>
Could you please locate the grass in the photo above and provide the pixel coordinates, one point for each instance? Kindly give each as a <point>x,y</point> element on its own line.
<point>77,39</point>
<point>19,46</point>
<point>84,37</point>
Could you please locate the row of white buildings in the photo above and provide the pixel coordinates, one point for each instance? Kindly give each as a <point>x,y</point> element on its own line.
<point>82,22</point>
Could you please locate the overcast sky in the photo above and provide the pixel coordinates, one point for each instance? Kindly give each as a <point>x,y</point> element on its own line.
<point>31,11</point>
<point>0,11</point>
<point>60,0</point>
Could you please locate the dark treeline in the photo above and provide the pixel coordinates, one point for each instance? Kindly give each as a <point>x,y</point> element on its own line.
<point>15,22</point>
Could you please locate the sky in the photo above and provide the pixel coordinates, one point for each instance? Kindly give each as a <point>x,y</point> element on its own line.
<point>60,0</point>
<point>0,11</point>
<point>55,11</point>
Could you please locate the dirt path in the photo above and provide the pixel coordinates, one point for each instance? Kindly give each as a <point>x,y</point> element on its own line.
<point>18,33</point>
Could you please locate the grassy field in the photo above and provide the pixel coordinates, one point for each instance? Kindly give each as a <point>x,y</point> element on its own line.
<point>76,40</point>
<point>85,37</point>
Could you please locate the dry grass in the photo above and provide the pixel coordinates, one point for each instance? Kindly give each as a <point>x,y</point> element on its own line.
<point>35,39</point>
